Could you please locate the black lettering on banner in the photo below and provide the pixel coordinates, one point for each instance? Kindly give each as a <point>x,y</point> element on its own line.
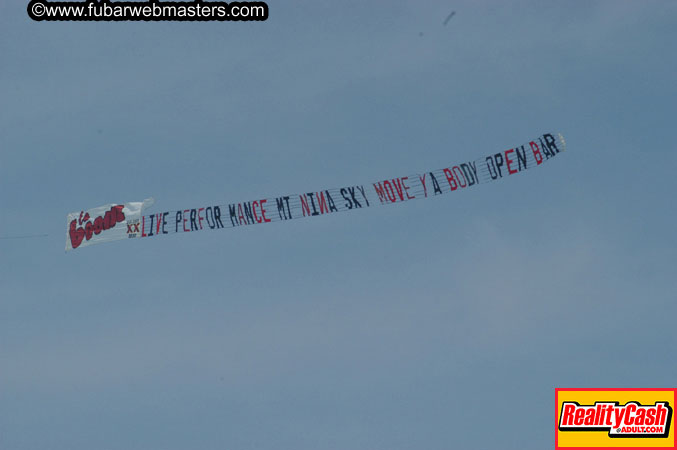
<point>349,203</point>
<point>249,217</point>
<point>332,206</point>
<point>545,149</point>
<point>312,203</point>
<point>284,214</point>
<point>521,157</point>
<point>473,166</point>
<point>286,201</point>
<point>499,162</point>
<point>492,168</point>
<point>550,142</point>
<point>240,215</point>
<point>436,185</point>
<point>152,219</point>
<point>179,217</point>
<point>217,217</point>
<point>193,215</point>
<point>255,203</point>
<point>353,198</point>
<point>364,195</point>
<point>280,208</point>
<point>468,174</point>
<point>208,212</point>
<point>233,215</point>
<point>164,222</point>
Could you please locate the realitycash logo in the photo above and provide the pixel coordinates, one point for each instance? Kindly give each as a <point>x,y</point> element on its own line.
<point>616,418</point>
<point>630,420</point>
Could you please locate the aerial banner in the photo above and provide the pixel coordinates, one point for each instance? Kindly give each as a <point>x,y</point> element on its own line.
<point>105,223</point>
<point>452,179</point>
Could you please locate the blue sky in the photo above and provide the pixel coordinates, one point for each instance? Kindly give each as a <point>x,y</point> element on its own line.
<point>439,324</point>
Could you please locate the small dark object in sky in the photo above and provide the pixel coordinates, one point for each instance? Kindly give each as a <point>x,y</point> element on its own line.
<point>449,17</point>
<point>420,33</point>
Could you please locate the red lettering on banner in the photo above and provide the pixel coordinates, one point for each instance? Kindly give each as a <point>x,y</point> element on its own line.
<point>240,214</point>
<point>185,219</point>
<point>398,188</point>
<point>508,161</point>
<point>119,215</point>
<point>450,178</point>
<point>199,218</point>
<point>109,220</point>
<point>98,225</point>
<point>158,223</point>
<point>537,152</point>
<point>425,189</point>
<point>132,228</point>
<point>143,227</point>
<point>406,188</point>
<point>460,176</point>
<point>263,211</point>
<point>77,235</point>
<point>379,190</point>
<point>391,192</point>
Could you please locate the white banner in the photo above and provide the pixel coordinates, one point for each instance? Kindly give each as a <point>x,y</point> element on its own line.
<point>106,226</point>
<point>105,223</point>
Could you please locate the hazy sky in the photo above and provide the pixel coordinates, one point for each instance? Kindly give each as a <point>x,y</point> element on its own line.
<point>438,324</point>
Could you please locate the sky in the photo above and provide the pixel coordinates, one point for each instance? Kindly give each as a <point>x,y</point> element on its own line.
<point>438,324</point>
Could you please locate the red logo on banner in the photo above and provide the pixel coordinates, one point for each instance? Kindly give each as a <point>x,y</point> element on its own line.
<point>90,228</point>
